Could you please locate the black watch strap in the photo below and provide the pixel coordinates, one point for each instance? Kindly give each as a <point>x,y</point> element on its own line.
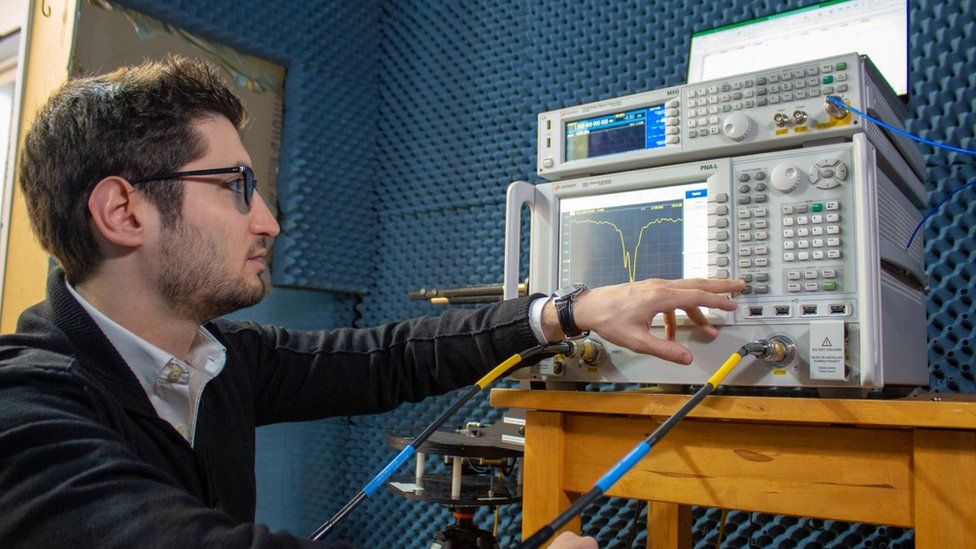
<point>564,311</point>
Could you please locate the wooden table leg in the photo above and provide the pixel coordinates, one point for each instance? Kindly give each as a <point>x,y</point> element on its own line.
<point>543,497</point>
<point>668,526</point>
<point>945,488</point>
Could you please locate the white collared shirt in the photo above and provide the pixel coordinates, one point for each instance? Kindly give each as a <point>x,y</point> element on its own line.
<point>535,318</point>
<point>173,386</point>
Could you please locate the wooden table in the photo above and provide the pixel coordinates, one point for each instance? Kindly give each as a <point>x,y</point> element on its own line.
<point>908,463</point>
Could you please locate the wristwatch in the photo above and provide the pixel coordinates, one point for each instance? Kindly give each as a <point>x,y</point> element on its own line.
<point>564,310</point>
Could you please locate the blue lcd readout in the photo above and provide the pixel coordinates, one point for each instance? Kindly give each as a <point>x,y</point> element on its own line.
<point>639,129</point>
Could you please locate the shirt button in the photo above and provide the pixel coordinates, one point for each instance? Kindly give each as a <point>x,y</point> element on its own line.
<point>175,373</point>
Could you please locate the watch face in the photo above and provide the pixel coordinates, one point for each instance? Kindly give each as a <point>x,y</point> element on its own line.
<point>574,289</point>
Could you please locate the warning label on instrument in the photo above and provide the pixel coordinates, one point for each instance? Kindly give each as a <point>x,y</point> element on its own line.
<point>827,350</point>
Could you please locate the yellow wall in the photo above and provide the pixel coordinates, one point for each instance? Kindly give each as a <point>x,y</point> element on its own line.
<point>49,50</point>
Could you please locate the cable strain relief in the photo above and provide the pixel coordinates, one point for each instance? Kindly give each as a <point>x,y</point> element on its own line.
<point>755,348</point>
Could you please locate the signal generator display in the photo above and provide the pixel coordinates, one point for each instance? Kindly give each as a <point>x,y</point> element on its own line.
<point>618,132</point>
<point>627,236</point>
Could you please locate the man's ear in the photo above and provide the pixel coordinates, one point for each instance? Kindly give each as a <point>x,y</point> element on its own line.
<point>118,211</point>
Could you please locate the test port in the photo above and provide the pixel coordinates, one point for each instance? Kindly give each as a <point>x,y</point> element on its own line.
<point>782,310</point>
<point>755,311</point>
<point>808,309</point>
<point>833,109</point>
<point>781,120</point>
<point>839,309</point>
<point>799,117</point>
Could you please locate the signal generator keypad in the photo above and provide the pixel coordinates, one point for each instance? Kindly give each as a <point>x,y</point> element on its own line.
<point>706,106</point>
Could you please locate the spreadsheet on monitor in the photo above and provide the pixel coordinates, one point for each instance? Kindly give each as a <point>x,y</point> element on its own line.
<point>877,28</point>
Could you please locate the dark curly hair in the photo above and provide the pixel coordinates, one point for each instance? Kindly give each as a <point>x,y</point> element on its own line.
<point>134,122</point>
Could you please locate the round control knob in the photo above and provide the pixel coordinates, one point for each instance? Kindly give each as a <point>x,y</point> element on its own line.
<point>785,178</point>
<point>737,126</point>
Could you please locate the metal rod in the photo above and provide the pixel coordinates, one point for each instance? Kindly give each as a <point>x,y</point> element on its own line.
<point>464,291</point>
<point>419,475</point>
<point>456,478</point>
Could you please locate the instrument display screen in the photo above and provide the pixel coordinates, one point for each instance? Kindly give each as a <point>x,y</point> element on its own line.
<point>613,133</point>
<point>659,232</point>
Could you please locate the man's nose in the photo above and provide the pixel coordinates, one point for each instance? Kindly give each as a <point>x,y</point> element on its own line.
<point>262,220</point>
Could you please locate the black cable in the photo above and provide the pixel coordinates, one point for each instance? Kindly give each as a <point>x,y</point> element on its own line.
<point>633,525</point>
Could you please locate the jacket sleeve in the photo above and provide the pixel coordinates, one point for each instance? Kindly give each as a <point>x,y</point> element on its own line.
<point>67,479</point>
<point>312,375</point>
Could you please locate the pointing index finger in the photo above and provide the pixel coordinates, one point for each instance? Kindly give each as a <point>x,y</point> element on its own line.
<point>687,298</point>
<point>714,285</point>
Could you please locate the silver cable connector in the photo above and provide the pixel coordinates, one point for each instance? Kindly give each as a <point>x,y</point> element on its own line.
<point>833,109</point>
<point>777,349</point>
<point>588,350</point>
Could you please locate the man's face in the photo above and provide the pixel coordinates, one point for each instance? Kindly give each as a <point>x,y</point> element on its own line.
<point>211,260</point>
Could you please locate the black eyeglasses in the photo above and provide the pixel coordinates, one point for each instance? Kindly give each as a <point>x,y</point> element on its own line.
<point>245,185</point>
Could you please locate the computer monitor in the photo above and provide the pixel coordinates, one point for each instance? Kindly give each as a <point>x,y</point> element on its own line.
<point>876,28</point>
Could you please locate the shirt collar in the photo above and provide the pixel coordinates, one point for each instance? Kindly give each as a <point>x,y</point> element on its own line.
<point>145,359</point>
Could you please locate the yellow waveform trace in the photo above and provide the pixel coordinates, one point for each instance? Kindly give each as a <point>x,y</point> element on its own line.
<point>630,263</point>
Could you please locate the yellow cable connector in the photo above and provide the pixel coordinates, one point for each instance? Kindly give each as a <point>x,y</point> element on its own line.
<point>720,374</point>
<point>499,370</point>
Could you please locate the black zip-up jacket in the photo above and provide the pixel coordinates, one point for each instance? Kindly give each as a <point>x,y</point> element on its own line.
<point>85,461</point>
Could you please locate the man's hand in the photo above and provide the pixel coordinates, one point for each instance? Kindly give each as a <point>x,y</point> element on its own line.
<point>622,314</point>
<point>569,540</point>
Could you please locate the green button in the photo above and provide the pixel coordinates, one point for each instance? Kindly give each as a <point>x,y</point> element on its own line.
<point>828,80</point>
<point>818,207</point>
<point>828,286</point>
<point>841,66</point>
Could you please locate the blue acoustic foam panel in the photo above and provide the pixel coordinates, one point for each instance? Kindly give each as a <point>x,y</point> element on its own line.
<point>299,467</point>
<point>950,252</point>
<point>325,185</point>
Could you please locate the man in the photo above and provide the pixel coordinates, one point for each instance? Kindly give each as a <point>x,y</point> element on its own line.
<point>127,412</point>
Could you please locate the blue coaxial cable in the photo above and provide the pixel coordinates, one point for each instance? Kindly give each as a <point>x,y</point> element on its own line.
<point>840,103</point>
